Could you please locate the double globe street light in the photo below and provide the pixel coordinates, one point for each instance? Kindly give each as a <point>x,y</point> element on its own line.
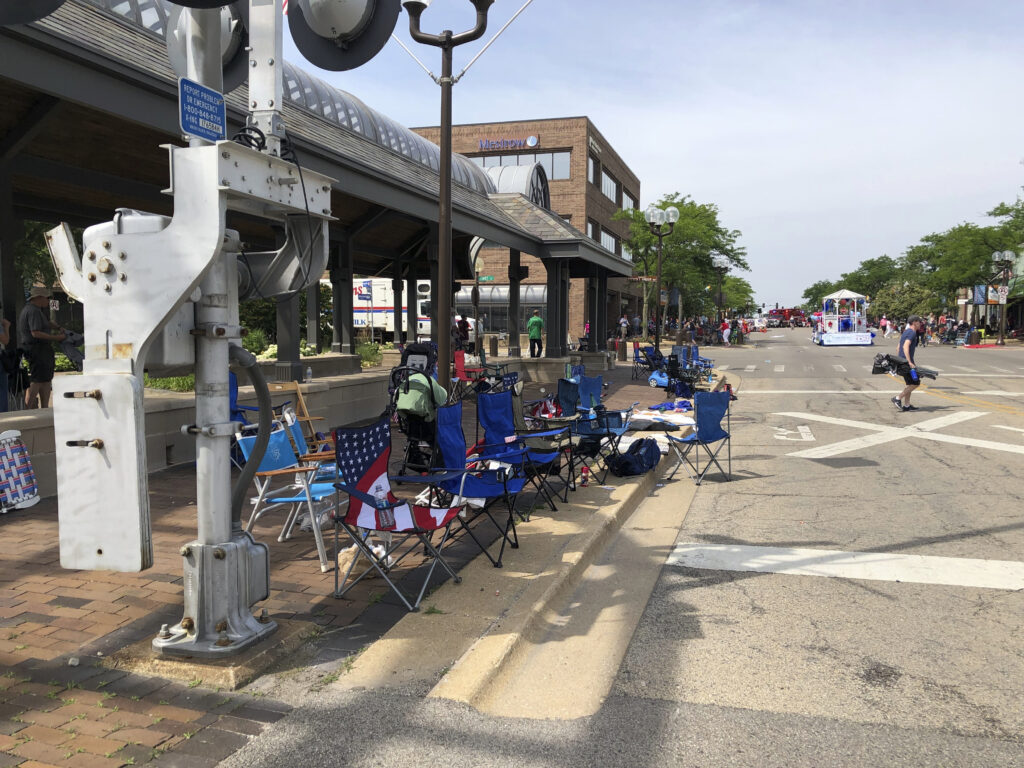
<point>1002,261</point>
<point>721,265</point>
<point>661,222</point>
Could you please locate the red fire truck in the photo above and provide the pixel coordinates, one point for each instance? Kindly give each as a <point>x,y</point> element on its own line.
<point>792,317</point>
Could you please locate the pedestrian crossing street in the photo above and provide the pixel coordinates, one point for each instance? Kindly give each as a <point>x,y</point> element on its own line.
<point>957,371</point>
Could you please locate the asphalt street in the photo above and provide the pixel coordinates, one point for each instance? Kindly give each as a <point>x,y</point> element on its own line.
<point>851,598</point>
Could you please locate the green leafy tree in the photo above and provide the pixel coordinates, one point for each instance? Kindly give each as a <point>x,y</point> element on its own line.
<point>814,295</point>
<point>687,252</point>
<point>899,301</point>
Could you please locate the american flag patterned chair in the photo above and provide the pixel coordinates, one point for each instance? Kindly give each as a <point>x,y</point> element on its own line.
<point>18,487</point>
<point>363,454</point>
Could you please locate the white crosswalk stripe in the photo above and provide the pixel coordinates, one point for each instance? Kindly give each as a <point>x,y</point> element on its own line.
<point>780,368</point>
<point>839,368</point>
<point>750,368</point>
<point>723,367</point>
<point>1002,370</point>
<point>968,370</point>
<point>809,369</point>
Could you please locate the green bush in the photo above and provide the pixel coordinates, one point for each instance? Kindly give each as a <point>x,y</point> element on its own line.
<point>62,363</point>
<point>173,383</point>
<point>369,353</point>
<point>256,341</point>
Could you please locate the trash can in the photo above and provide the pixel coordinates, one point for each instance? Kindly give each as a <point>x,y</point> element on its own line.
<point>620,349</point>
<point>974,338</point>
<point>492,348</point>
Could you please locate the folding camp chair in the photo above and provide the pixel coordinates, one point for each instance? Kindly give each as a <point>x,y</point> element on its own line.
<point>314,438</point>
<point>301,495</point>
<point>542,458</point>
<point>466,381</point>
<point>363,454</point>
<point>639,363</point>
<point>493,370</point>
<point>710,408</point>
<point>18,486</point>
<point>479,485</point>
<point>591,392</point>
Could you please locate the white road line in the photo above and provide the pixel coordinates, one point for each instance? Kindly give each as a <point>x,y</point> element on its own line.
<point>983,375</point>
<point>968,370</point>
<point>921,429</point>
<point>1001,426</point>
<point>888,392</point>
<point>1001,370</point>
<point>839,368</point>
<point>992,393</point>
<point>722,367</point>
<point>780,368</point>
<point>808,369</point>
<point>750,368</point>
<point>875,566</point>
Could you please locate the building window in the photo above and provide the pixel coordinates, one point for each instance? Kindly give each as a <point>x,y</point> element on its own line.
<point>609,186</point>
<point>626,253</point>
<point>628,201</point>
<point>593,168</point>
<point>593,230</point>
<point>608,240</point>
<point>559,165</point>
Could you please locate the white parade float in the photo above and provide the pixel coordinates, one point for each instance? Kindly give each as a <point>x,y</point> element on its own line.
<point>842,321</point>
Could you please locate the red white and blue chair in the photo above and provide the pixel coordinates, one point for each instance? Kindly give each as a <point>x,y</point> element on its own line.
<point>363,454</point>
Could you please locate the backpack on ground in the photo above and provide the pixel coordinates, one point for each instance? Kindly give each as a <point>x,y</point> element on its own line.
<point>641,457</point>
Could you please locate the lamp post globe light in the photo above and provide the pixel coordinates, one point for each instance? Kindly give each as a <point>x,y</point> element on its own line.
<point>661,222</point>
<point>446,41</point>
<point>721,265</point>
<point>1002,261</point>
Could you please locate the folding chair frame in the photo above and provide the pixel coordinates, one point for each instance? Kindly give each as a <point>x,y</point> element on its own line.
<point>683,446</point>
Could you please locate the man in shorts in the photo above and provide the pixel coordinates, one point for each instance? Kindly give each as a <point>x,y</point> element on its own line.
<point>36,335</point>
<point>907,366</point>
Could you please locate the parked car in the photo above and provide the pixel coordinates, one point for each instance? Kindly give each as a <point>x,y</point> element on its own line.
<point>773,322</point>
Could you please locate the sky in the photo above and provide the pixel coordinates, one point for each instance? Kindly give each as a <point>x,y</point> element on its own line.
<point>826,132</point>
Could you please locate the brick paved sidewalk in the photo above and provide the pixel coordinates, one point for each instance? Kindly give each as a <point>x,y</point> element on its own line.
<point>53,713</point>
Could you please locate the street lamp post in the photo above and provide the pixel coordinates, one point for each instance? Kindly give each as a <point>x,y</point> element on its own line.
<point>1003,260</point>
<point>661,222</point>
<point>446,41</point>
<point>721,265</point>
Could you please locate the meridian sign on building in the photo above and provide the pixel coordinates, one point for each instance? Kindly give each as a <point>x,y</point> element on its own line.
<point>491,144</point>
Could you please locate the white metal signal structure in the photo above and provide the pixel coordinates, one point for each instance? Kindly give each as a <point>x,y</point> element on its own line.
<point>161,292</point>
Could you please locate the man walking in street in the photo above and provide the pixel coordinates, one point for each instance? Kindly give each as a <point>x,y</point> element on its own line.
<point>35,336</point>
<point>535,330</point>
<point>908,366</point>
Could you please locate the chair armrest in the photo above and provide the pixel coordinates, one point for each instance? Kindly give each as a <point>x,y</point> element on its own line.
<point>287,471</point>
<point>432,479</point>
<point>367,498</point>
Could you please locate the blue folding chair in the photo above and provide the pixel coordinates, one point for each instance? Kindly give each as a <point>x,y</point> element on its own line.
<point>477,481</point>
<point>301,495</point>
<point>541,460</point>
<point>591,392</point>
<point>710,409</point>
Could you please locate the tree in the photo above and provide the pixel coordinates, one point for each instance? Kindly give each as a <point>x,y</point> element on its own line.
<point>814,296</point>
<point>687,252</point>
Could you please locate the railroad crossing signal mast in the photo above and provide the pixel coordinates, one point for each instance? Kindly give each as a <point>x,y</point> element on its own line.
<point>162,293</point>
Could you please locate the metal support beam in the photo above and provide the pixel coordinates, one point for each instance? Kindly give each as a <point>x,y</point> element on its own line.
<point>313,317</point>
<point>600,328</point>
<point>557,305</point>
<point>513,304</point>
<point>344,340</point>
<point>397,286</point>
<point>289,364</point>
<point>28,128</point>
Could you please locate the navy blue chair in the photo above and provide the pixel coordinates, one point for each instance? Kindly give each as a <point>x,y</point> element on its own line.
<point>493,486</point>
<point>711,408</point>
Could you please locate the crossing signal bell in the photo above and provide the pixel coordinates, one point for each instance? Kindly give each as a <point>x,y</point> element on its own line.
<point>338,35</point>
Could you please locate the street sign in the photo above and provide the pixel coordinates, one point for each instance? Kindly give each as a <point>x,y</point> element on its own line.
<point>1004,291</point>
<point>664,297</point>
<point>486,278</point>
<point>202,111</point>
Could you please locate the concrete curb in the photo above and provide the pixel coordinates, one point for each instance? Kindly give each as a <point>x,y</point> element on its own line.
<point>477,668</point>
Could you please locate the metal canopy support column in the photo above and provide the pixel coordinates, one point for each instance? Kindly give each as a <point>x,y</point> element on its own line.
<point>593,297</point>
<point>396,287</point>
<point>599,330</point>
<point>413,302</point>
<point>289,365</point>
<point>341,281</point>
<point>11,295</point>
<point>313,317</point>
<point>557,303</point>
<point>513,304</point>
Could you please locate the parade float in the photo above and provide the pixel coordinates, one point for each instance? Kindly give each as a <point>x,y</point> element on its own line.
<point>842,321</point>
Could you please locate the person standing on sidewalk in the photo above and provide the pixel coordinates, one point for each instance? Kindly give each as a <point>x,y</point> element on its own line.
<point>908,365</point>
<point>535,330</point>
<point>35,336</point>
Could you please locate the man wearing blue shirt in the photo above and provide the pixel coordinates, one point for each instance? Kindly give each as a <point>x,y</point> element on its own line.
<point>907,366</point>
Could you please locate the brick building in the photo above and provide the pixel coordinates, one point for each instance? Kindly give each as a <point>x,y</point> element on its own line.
<point>588,182</point>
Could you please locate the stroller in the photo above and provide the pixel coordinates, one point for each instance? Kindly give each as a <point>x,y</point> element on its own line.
<point>414,399</point>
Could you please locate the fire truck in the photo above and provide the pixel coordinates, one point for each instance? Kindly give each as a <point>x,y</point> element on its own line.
<point>791,316</point>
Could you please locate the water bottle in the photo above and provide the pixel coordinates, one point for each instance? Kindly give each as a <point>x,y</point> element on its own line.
<point>584,475</point>
<point>309,374</point>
